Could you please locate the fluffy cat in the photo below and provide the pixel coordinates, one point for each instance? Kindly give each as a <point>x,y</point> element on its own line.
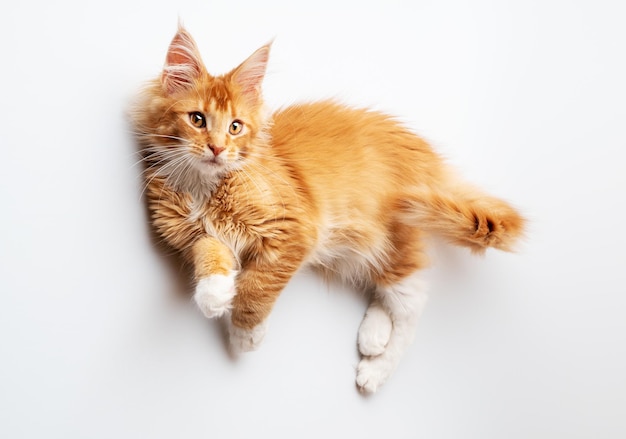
<point>249,197</point>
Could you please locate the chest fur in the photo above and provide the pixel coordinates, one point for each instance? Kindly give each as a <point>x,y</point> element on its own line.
<point>242,214</point>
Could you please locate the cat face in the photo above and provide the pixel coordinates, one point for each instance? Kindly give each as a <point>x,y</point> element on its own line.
<point>201,125</point>
<point>215,125</point>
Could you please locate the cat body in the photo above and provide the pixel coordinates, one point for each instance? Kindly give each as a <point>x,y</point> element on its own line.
<point>248,198</point>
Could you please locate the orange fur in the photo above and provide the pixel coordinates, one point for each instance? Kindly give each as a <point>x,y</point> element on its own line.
<point>350,191</point>
<point>211,257</point>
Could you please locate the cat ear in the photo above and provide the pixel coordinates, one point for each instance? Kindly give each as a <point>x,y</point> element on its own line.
<point>249,75</point>
<point>182,64</point>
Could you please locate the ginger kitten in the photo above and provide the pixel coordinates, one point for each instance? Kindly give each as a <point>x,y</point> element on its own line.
<point>249,197</point>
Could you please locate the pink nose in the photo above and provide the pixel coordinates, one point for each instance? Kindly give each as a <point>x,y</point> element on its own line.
<point>216,150</point>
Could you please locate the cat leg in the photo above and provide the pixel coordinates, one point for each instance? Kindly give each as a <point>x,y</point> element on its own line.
<point>258,286</point>
<point>375,330</point>
<point>214,294</point>
<point>258,290</point>
<point>246,340</point>
<point>215,277</point>
<point>404,302</point>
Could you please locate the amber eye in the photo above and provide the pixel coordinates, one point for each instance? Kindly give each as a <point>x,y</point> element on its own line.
<point>235,127</point>
<point>197,119</point>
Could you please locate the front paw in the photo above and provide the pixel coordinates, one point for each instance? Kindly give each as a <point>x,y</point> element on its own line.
<point>245,340</point>
<point>214,294</point>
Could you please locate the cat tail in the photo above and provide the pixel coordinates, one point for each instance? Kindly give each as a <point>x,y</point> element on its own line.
<point>465,217</point>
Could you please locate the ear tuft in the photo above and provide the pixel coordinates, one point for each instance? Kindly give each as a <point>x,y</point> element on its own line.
<point>249,75</point>
<point>183,64</point>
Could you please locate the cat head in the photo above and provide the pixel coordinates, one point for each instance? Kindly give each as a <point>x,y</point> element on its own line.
<point>197,126</point>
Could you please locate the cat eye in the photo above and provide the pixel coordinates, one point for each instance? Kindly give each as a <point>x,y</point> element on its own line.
<point>197,119</point>
<point>235,127</point>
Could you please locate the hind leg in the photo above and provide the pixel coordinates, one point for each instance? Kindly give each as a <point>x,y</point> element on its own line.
<point>398,306</point>
<point>391,318</point>
<point>375,330</point>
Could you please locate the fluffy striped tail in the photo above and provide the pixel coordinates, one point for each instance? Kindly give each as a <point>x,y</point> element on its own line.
<point>469,219</point>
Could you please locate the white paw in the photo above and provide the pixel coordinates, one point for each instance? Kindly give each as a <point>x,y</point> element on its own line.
<point>214,294</point>
<point>246,340</point>
<point>375,331</point>
<point>372,373</point>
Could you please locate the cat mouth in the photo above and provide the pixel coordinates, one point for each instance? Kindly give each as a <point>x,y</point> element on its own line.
<point>212,165</point>
<point>211,161</point>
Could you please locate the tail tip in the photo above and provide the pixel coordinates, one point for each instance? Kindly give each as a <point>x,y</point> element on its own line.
<point>502,231</point>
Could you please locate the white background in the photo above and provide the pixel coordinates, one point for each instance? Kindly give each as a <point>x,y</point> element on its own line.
<point>98,336</point>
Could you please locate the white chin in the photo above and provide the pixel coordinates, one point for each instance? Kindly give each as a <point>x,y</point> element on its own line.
<point>209,165</point>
